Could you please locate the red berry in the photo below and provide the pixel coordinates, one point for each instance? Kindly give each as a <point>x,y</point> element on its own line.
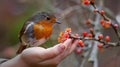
<point>84,34</point>
<point>106,24</point>
<point>78,50</point>
<point>102,12</point>
<point>86,2</point>
<point>100,45</point>
<point>100,36</point>
<point>90,35</point>
<point>116,25</point>
<point>95,10</point>
<point>80,42</point>
<point>66,35</point>
<point>107,38</point>
<point>82,45</point>
<point>102,21</point>
<point>109,23</point>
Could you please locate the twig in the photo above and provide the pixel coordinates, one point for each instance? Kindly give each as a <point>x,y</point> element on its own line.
<point>107,19</point>
<point>103,15</point>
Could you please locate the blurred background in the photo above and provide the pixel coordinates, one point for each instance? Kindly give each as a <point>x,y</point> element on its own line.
<point>13,13</point>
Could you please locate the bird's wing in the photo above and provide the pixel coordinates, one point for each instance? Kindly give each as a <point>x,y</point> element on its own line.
<point>25,29</point>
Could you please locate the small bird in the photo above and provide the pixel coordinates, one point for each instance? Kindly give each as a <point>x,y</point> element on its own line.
<point>36,30</point>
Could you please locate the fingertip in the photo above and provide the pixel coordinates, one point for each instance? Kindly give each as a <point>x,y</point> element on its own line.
<point>54,51</point>
<point>75,42</point>
<point>67,42</point>
<point>74,45</point>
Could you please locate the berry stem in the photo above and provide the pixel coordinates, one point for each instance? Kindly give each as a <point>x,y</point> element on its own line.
<point>106,44</point>
<point>106,19</point>
<point>116,31</point>
<point>103,15</point>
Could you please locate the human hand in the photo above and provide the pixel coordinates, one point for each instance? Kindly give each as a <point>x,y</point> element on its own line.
<point>38,56</point>
<point>41,57</point>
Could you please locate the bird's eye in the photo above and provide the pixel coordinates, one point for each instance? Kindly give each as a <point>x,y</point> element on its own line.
<point>48,18</point>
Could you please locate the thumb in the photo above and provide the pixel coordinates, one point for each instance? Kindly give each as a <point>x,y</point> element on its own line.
<point>53,51</point>
<point>56,50</point>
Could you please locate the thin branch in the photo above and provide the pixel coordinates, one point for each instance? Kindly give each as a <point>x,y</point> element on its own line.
<point>107,19</point>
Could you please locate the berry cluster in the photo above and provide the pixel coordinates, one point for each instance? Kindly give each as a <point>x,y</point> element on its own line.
<point>105,22</point>
<point>84,36</point>
<point>64,35</point>
<point>103,41</point>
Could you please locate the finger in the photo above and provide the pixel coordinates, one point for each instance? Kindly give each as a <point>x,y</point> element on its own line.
<point>78,50</point>
<point>70,49</point>
<point>52,52</point>
<point>60,57</point>
<point>73,47</point>
<point>67,42</point>
<point>56,50</point>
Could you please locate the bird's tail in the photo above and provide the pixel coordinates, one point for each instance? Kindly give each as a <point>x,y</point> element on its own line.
<point>21,48</point>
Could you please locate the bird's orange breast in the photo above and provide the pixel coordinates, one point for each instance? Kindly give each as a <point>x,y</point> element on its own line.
<point>42,31</point>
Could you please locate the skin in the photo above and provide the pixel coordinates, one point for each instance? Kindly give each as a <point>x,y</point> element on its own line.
<point>41,57</point>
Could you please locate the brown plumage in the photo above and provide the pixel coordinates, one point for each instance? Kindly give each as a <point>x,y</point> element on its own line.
<point>36,30</point>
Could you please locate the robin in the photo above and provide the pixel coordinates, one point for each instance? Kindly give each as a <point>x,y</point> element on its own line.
<point>36,30</point>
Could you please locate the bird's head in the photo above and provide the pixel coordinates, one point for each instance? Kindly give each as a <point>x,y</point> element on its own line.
<point>44,17</point>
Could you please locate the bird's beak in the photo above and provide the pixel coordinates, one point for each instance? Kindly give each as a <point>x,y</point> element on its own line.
<point>57,21</point>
